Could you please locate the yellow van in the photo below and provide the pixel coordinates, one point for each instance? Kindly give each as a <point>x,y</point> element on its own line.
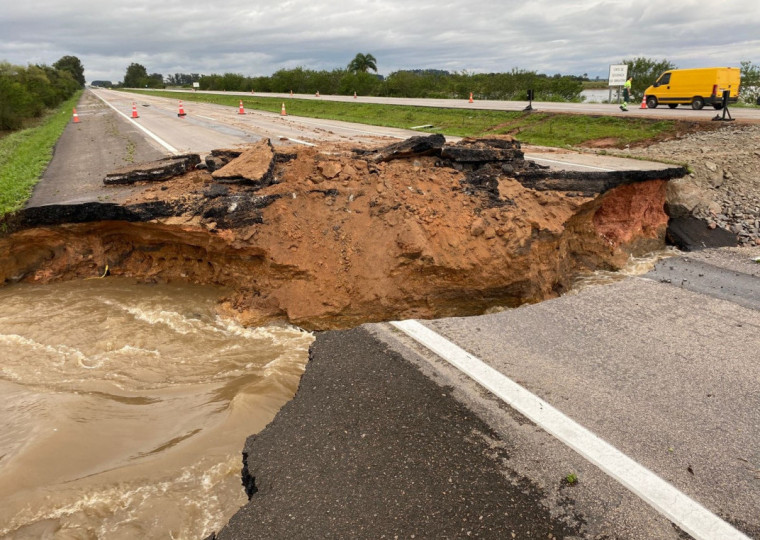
<point>695,87</point>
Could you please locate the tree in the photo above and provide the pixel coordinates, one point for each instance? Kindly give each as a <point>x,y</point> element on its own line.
<point>362,63</point>
<point>136,76</point>
<point>73,66</point>
<point>645,72</point>
<point>155,80</point>
<point>750,86</point>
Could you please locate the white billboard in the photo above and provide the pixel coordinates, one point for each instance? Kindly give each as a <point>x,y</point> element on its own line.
<point>618,74</point>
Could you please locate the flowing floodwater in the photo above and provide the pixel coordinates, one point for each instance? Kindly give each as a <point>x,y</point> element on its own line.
<point>125,408</point>
<point>636,266</point>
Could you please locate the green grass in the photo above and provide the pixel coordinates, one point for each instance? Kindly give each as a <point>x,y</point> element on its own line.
<point>25,154</point>
<point>559,130</point>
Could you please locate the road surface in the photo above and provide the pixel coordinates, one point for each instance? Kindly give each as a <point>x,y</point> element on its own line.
<point>740,114</point>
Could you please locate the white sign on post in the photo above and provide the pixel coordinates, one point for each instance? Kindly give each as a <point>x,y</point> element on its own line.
<point>196,85</point>
<point>618,74</point>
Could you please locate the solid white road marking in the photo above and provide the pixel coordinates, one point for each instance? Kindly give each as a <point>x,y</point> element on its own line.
<point>150,134</point>
<point>688,514</point>
<point>299,141</point>
<point>568,163</point>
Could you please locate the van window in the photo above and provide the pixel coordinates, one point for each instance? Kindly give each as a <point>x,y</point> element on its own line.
<point>664,79</point>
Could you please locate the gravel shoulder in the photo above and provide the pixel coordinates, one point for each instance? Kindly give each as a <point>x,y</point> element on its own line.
<point>724,185</point>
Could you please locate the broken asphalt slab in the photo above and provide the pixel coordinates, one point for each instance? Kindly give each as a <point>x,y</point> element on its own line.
<point>153,171</point>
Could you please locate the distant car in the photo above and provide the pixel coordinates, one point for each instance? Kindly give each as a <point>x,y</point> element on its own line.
<point>695,87</point>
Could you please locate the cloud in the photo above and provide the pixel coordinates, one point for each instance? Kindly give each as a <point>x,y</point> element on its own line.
<point>251,38</point>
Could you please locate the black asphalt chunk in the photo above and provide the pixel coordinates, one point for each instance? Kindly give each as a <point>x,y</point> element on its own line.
<point>692,234</point>
<point>371,448</point>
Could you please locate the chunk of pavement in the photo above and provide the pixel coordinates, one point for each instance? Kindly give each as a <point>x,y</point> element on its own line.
<point>693,234</point>
<point>419,145</point>
<point>486,150</point>
<point>153,171</point>
<point>254,166</point>
<point>220,157</point>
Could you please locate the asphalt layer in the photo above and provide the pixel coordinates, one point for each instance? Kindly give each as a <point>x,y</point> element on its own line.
<point>101,142</point>
<point>371,448</point>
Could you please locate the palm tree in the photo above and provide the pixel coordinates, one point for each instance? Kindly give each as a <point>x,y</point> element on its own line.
<point>363,62</point>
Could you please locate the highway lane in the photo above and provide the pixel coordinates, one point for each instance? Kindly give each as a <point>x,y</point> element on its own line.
<point>665,374</point>
<point>207,126</point>
<point>740,114</point>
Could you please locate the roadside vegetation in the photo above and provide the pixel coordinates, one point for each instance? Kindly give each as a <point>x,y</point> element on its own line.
<point>25,154</point>
<point>26,93</point>
<point>560,130</point>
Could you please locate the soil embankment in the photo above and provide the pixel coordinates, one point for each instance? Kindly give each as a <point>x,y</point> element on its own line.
<point>332,236</point>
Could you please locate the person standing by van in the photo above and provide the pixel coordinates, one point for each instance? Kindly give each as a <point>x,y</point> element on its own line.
<point>626,94</point>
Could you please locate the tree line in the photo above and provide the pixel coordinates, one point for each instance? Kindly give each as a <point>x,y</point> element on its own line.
<point>403,83</point>
<point>26,92</point>
<point>420,83</point>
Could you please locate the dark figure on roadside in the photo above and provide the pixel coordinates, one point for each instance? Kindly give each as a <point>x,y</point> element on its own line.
<point>626,94</point>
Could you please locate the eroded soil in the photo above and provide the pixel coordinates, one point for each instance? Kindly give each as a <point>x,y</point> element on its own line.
<point>339,239</point>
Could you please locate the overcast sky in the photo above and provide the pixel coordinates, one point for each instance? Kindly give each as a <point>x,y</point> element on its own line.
<point>258,38</point>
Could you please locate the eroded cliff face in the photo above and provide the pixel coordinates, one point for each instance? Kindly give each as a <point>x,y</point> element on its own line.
<point>338,240</point>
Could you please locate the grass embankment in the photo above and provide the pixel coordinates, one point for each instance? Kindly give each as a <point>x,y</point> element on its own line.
<point>25,154</point>
<point>545,129</point>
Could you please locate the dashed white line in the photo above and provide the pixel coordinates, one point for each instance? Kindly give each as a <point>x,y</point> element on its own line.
<point>685,512</point>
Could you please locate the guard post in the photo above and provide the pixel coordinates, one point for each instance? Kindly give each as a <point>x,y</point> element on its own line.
<point>530,101</point>
<point>726,112</point>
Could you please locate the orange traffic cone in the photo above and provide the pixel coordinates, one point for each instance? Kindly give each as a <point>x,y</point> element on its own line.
<point>241,110</point>
<point>317,94</point>
<point>181,112</point>
<point>282,111</point>
<point>76,117</point>
<point>643,102</point>
<point>134,111</point>
<point>471,97</point>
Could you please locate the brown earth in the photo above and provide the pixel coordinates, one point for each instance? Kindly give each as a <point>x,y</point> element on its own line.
<point>338,239</point>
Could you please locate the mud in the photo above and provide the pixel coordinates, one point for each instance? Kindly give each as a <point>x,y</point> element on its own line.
<point>339,238</point>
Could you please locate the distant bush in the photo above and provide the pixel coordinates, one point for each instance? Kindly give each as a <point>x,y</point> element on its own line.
<point>26,92</point>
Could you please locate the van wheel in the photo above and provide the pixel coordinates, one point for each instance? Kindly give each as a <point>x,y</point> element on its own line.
<point>651,102</point>
<point>697,103</point>
<point>717,106</point>
<point>672,105</point>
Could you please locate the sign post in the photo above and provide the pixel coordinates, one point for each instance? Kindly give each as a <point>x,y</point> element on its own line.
<point>618,76</point>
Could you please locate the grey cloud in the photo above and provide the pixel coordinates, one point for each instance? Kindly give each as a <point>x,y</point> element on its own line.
<point>583,36</point>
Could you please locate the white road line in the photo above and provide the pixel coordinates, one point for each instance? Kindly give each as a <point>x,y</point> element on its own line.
<point>299,141</point>
<point>300,119</point>
<point>150,134</point>
<point>688,514</point>
<point>568,163</point>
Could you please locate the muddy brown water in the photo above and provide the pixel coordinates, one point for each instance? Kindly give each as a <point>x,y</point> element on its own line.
<point>125,407</point>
